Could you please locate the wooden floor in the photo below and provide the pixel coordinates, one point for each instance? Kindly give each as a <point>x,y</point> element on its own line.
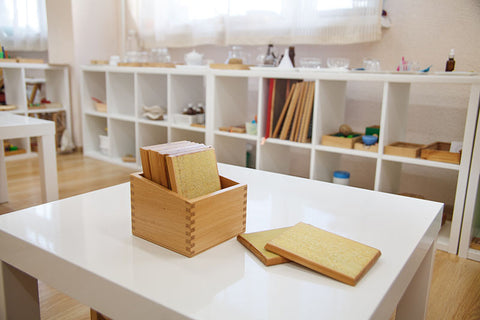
<point>455,289</point>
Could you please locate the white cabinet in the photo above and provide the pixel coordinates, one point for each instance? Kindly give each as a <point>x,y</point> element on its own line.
<point>53,83</point>
<point>470,236</point>
<point>235,97</point>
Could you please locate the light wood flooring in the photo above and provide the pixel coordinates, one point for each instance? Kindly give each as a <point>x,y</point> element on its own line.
<point>455,289</point>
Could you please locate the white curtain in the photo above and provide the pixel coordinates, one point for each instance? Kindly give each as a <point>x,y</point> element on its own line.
<point>23,25</point>
<point>179,23</point>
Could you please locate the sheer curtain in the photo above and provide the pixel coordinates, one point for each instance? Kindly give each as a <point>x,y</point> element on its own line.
<point>23,25</point>
<point>177,23</point>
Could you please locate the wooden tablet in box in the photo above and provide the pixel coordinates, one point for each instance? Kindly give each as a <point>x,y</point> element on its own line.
<point>187,226</point>
<point>404,149</point>
<point>440,151</point>
<point>332,255</point>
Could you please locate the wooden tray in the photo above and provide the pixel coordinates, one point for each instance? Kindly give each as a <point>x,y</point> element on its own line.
<point>229,66</point>
<point>334,140</point>
<point>439,151</point>
<point>187,226</point>
<point>363,147</point>
<point>404,149</point>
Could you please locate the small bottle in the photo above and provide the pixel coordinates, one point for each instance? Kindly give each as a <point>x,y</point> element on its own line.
<point>270,59</point>
<point>291,54</point>
<point>451,61</point>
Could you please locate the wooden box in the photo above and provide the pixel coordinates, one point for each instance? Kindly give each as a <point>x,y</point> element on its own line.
<point>404,149</point>
<point>187,226</point>
<point>363,147</point>
<point>440,151</point>
<point>338,140</point>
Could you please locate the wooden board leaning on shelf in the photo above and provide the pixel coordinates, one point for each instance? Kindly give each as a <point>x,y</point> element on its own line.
<point>292,121</point>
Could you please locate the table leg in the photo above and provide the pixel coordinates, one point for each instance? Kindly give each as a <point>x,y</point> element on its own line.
<point>47,161</point>
<point>3,175</point>
<point>413,304</point>
<point>18,294</point>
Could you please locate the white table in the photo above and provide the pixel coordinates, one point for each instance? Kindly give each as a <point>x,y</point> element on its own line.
<point>14,126</point>
<point>83,246</point>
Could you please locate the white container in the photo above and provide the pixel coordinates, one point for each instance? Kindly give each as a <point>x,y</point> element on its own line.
<point>341,177</point>
<point>185,119</point>
<point>104,144</point>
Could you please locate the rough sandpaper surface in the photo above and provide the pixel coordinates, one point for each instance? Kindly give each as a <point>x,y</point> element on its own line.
<point>338,257</point>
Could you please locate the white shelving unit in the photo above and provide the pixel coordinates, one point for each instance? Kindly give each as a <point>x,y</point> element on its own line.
<point>55,84</point>
<point>471,219</point>
<point>234,97</point>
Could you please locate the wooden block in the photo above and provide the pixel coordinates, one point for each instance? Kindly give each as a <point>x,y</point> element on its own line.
<point>256,242</point>
<point>233,66</point>
<point>193,174</point>
<point>159,64</point>
<point>404,149</point>
<point>24,60</point>
<point>235,129</point>
<point>187,226</point>
<point>337,140</point>
<point>440,151</point>
<point>332,255</point>
<point>8,107</point>
<point>99,62</point>
<point>14,152</point>
<point>363,147</point>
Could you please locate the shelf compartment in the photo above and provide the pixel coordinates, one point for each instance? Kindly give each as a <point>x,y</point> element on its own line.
<point>286,159</point>
<point>151,91</point>
<point>232,150</point>
<point>122,138</point>
<point>120,94</point>
<point>235,101</point>
<point>94,127</point>
<point>340,102</point>
<point>15,91</point>
<point>178,134</point>
<point>94,86</point>
<point>186,89</point>
<point>362,169</point>
<point>149,134</point>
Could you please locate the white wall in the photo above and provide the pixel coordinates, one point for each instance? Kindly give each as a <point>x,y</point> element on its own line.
<point>80,31</point>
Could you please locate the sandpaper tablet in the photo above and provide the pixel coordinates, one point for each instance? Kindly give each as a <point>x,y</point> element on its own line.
<point>325,252</point>
<point>256,241</point>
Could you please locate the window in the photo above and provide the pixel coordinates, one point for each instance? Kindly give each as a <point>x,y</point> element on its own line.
<point>23,25</point>
<point>252,22</point>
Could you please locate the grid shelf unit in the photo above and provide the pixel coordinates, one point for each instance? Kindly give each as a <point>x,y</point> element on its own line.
<point>234,97</point>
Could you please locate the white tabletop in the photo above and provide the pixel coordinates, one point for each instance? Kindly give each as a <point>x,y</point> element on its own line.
<point>16,126</point>
<point>83,246</point>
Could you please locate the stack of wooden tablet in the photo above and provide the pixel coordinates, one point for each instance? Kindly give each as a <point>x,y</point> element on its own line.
<point>332,255</point>
<point>185,167</point>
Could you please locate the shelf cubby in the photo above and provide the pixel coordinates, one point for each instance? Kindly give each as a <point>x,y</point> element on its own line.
<point>233,151</point>
<point>152,90</point>
<point>285,159</point>
<point>122,138</point>
<point>120,94</point>
<point>94,127</point>
<point>185,89</point>
<point>235,101</point>
<point>94,86</point>
<point>178,134</point>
